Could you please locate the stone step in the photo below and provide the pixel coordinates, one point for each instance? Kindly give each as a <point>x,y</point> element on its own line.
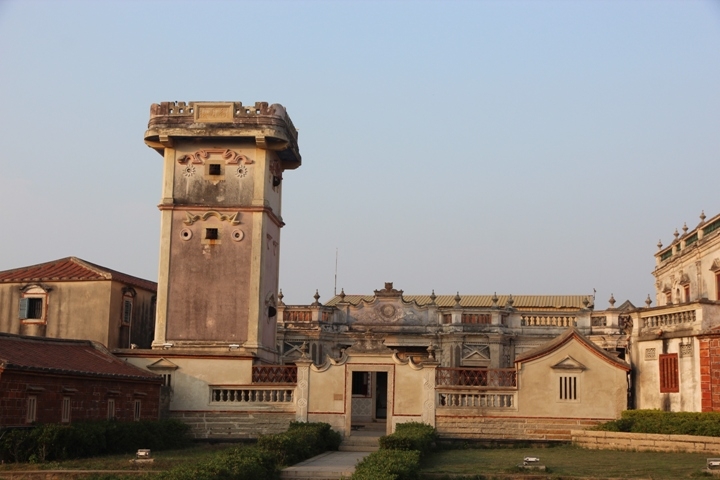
<point>359,448</point>
<point>311,474</point>
<point>329,465</point>
<point>357,443</point>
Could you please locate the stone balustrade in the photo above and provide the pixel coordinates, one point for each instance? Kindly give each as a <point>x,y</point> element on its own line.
<point>455,399</point>
<point>667,319</point>
<point>245,395</point>
<point>535,320</point>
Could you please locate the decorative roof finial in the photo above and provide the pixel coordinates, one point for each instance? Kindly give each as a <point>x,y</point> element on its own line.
<point>342,294</point>
<point>659,245</point>
<point>510,301</point>
<point>586,302</point>
<point>702,217</point>
<point>494,300</point>
<point>648,301</point>
<point>457,299</point>
<point>280,297</point>
<point>612,301</point>
<point>432,297</point>
<point>317,298</point>
<point>676,234</point>
<point>685,228</point>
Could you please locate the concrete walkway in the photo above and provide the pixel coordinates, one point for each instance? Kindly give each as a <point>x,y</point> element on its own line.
<point>330,465</point>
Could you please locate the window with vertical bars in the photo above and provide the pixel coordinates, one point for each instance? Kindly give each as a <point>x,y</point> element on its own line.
<point>568,388</point>
<point>31,415</point>
<point>66,410</point>
<point>136,412</point>
<point>127,310</point>
<point>111,409</point>
<point>669,379</point>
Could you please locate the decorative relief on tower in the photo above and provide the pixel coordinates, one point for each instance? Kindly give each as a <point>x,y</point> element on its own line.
<point>232,219</point>
<point>231,157</point>
<point>189,171</point>
<point>241,171</point>
<point>213,112</point>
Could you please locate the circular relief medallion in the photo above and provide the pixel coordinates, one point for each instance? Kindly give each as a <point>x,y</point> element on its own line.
<point>387,311</point>
<point>241,171</point>
<point>189,171</point>
<point>237,235</point>
<point>186,234</point>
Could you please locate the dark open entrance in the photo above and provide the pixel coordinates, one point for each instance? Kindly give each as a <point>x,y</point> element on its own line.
<point>381,398</point>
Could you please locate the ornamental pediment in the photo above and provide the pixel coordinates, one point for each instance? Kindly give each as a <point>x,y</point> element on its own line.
<point>388,312</point>
<point>569,363</point>
<point>162,364</point>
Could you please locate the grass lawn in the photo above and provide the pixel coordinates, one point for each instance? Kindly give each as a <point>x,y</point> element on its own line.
<point>164,460</point>
<point>570,461</point>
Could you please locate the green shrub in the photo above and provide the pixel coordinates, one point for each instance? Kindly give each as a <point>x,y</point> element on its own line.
<point>672,423</point>
<point>300,442</point>
<point>48,442</point>
<point>410,436</point>
<point>389,465</point>
<point>242,463</point>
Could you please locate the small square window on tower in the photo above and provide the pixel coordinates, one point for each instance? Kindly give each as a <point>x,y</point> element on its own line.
<point>211,233</point>
<point>214,169</point>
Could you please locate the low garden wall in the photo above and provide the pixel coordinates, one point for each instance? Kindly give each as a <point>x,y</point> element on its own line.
<point>510,428</point>
<point>233,425</point>
<point>650,442</point>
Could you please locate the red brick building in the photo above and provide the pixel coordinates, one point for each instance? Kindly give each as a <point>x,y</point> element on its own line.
<point>47,380</point>
<point>710,370</point>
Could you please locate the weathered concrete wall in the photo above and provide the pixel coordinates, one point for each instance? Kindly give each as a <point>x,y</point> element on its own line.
<point>510,428</point>
<point>192,379</point>
<point>601,387</point>
<point>645,442</point>
<point>74,310</point>
<point>209,295</point>
<point>233,425</point>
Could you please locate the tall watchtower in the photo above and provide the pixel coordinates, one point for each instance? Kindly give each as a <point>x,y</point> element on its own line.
<point>220,223</point>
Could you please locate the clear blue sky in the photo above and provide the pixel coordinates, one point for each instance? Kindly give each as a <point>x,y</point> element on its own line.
<point>525,147</point>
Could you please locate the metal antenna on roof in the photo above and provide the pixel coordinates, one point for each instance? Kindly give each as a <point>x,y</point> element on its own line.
<point>336,258</point>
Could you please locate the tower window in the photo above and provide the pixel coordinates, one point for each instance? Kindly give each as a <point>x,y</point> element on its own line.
<point>214,169</point>
<point>211,233</point>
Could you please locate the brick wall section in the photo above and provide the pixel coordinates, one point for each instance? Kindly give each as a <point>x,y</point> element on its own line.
<point>645,442</point>
<point>89,402</point>
<point>710,373</point>
<point>233,425</point>
<point>511,428</point>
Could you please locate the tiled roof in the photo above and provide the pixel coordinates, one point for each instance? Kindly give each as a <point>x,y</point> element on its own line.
<point>71,269</point>
<point>52,355</point>
<point>522,302</point>
<point>569,334</point>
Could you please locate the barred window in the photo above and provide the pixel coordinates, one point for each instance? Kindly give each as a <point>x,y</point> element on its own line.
<point>31,308</point>
<point>568,388</point>
<point>136,410</point>
<point>66,408</point>
<point>127,310</point>
<point>111,409</point>
<point>669,379</point>
<point>31,415</point>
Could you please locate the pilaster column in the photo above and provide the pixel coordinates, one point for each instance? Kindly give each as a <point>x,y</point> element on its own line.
<point>302,390</point>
